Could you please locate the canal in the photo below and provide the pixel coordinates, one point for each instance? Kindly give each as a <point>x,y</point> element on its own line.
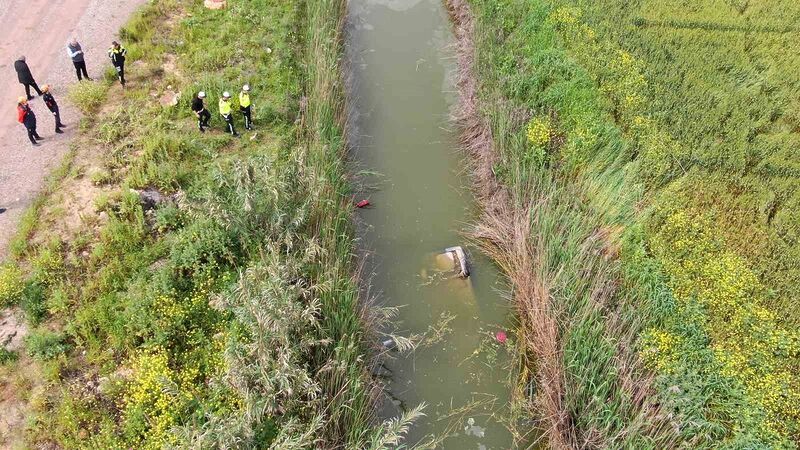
<point>400,95</point>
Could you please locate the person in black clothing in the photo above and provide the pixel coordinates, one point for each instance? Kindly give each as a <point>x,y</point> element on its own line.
<point>26,117</point>
<point>199,108</point>
<point>50,101</point>
<point>117,54</point>
<point>25,77</point>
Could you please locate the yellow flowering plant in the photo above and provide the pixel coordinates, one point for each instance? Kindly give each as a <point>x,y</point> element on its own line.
<point>748,341</point>
<point>11,284</point>
<point>539,131</point>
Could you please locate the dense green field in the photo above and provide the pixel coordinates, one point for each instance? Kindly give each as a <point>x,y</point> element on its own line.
<point>667,131</point>
<point>227,316</point>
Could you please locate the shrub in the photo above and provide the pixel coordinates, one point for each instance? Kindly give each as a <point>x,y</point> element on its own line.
<point>168,218</point>
<point>100,177</point>
<point>44,344</point>
<point>47,266</point>
<point>33,303</point>
<point>7,356</point>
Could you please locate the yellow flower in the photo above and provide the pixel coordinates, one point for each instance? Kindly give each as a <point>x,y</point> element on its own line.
<point>539,131</point>
<point>11,284</point>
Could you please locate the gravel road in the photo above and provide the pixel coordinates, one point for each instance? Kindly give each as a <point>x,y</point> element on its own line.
<point>40,29</point>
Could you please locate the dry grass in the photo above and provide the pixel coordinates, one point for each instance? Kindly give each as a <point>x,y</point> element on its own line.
<point>504,232</point>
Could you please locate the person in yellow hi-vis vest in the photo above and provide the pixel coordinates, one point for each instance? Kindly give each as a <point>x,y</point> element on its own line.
<point>226,111</point>
<point>245,106</point>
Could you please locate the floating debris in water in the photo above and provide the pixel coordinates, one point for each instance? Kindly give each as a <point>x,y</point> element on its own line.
<point>460,259</point>
<point>363,203</point>
<point>473,430</point>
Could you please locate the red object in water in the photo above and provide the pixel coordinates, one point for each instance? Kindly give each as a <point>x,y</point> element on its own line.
<point>501,337</point>
<point>362,203</point>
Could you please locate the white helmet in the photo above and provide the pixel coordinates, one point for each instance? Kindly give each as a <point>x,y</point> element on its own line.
<point>201,94</point>
<point>226,94</point>
<point>246,88</point>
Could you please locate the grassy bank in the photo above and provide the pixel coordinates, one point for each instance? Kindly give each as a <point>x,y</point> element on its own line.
<point>651,288</point>
<point>195,290</point>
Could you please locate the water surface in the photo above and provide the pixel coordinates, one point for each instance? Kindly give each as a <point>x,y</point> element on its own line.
<point>402,92</point>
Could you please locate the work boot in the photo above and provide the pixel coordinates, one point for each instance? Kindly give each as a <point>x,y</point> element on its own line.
<point>38,138</point>
<point>30,97</point>
<point>58,130</point>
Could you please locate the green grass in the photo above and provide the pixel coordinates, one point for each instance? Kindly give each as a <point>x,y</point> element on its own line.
<point>722,87</point>
<point>632,147</point>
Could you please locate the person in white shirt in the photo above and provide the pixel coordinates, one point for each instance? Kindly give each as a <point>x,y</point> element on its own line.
<point>75,52</point>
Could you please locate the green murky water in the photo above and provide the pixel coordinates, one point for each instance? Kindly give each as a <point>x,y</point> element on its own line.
<point>402,91</point>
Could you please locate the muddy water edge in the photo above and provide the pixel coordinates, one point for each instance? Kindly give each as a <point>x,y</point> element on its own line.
<point>400,72</point>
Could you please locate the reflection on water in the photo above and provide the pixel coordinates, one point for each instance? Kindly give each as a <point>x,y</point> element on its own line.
<point>402,91</point>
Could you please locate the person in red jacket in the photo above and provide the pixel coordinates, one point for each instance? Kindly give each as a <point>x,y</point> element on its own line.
<point>26,117</point>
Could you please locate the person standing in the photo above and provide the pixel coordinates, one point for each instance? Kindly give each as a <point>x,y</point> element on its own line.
<point>117,54</point>
<point>75,52</point>
<point>50,101</point>
<point>226,111</point>
<point>26,117</point>
<point>199,108</point>
<point>245,106</point>
<point>25,77</point>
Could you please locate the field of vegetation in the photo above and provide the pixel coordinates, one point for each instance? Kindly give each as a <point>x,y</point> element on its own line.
<point>193,290</point>
<point>647,157</point>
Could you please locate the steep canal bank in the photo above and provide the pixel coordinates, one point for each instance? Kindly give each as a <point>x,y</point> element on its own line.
<point>401,94</point>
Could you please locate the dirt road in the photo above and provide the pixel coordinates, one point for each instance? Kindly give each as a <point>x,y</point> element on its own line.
<point>40,29</point>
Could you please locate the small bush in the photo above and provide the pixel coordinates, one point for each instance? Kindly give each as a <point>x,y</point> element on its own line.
<point>168,218</point>
<point>48,265</point>
<point>11,284</point>
<point>100,177</point>
<point>59,301</point>
<point>7,356</point>
<point>45,344</point>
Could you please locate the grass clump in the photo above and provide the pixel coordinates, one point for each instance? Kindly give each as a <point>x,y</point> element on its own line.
<point>45,344</point>
<point>12,284</point>
<point>7,356</point>
<point>33,302</point>
<point>88,96</point>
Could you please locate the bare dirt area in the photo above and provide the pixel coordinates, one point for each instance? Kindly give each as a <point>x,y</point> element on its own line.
<point>40,29</point>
